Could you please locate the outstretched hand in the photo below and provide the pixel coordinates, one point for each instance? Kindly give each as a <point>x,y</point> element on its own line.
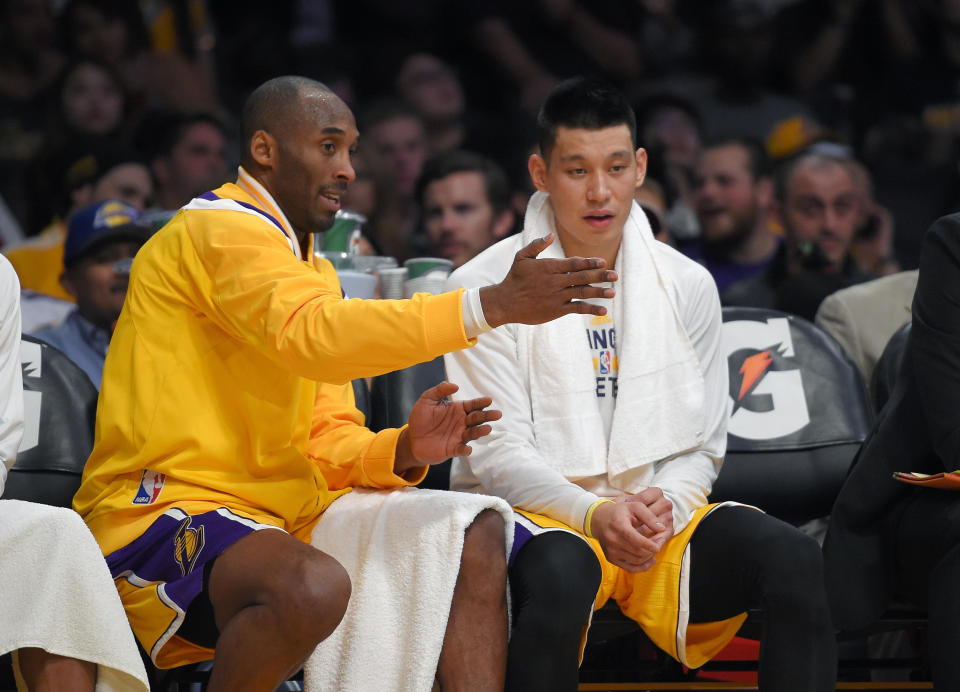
<point>439,428</point>
<point>539,290</point>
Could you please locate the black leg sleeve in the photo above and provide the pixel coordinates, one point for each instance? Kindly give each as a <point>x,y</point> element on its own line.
<point>741,558</point>
<point>553,585</point>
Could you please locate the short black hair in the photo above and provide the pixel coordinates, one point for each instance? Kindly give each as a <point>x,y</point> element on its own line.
<point>386,109</point>
<point>162,130</point>
<point>271,106</point>
<point>447,163</point>
<point>584,103</point>
<point>758,162</point>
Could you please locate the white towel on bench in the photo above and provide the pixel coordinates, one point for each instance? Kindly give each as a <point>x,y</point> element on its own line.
<point>402,551</point>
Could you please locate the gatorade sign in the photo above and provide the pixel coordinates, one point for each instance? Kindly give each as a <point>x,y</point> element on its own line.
<point>766,399</point>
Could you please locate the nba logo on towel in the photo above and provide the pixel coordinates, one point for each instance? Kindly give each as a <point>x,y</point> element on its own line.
<point>150,486</point>
<point>604,362</point>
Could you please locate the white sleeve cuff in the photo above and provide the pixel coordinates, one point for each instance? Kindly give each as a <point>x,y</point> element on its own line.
<point>474,322</point>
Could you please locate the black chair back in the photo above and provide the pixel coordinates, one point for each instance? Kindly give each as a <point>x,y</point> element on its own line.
<point>799,412</point>
<point>60,405</point>
<point>392,397</point>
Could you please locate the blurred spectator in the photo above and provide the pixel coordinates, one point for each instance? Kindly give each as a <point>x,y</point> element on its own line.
<point>819,204</point>
<point>187,154</point>
<point>740,96</point>
<point>535,43</point>
<point>431,88</point>
<point>114,32</point>
<point>667,41</point>
<point>28,66</point>
<point>669,129</point>
<point>732,198</point>
<point>98,237</point>
<point>464,200</point>
<point>89,100</point>
<point>400,145</point>
<point>86,170</point>
<point>852,42</point>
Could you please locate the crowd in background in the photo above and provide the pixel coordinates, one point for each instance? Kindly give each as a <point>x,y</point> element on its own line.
<point>152,89</point>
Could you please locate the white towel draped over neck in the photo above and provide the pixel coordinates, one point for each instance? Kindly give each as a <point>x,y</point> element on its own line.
<point>660,402</point>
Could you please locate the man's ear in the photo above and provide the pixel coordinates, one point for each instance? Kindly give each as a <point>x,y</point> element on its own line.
<point>538,172</point>
<point>502,224</point>
<point>263,149</point>
<point>67,282</point>
<point>641,166</point>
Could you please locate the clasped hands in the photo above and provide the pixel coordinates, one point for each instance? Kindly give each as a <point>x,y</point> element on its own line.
<point>634,528</point>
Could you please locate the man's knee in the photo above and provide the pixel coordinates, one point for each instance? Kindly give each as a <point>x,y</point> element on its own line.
<point>316,589</point>
<point>304,589</point>
<point>559,573</point>
<point>485,538</point>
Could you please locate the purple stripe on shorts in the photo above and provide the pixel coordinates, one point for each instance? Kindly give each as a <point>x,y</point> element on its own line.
<point>174,549</point>
<point>521,534</point>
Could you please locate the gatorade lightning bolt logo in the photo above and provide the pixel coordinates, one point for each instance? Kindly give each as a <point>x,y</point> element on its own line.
<point>766,389</point>
<point>753,369</point>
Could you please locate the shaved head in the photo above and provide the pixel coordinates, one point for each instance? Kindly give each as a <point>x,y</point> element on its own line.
<point>283,105</point>
<point>299,138</point>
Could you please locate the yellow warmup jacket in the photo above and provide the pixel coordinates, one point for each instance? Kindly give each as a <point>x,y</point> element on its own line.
<point>214,370</point>
<point>39,261</point>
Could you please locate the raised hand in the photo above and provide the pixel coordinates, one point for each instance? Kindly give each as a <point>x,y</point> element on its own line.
<point>439,428</point>
<point>539,290</point>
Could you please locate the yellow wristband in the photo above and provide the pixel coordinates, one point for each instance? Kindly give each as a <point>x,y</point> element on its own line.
<point>589,517</point>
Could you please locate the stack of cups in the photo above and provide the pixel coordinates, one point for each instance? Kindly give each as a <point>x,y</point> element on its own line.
<point>392,280</point>
<point>426,275</point>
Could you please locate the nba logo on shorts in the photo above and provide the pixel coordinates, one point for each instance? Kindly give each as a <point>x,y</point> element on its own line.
<point>604,362</point>
<point>150,486</point>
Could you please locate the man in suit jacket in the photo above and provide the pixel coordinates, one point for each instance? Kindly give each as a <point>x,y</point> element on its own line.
<point>888,539</point>
<point>864,317</point>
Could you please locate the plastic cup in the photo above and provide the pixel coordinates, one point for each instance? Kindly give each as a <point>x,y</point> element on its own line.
<point>373,263</point>
<point>391,281</point>
<point>357,284</point>
<point>422,266</point>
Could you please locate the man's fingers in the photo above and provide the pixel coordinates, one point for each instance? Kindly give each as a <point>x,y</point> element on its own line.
<point>438,393</point>
<point>643,516</point>
<point>661,507</point>
<point>579,307</point>
<point>480,417</point>
<point>571,265</point>
<point>584,292</point>
<point>535,247</point>
<point>477,404</point>
<point>590,276</point>
<point>476,432</point>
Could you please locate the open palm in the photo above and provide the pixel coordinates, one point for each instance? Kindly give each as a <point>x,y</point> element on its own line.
<point>440,428</point>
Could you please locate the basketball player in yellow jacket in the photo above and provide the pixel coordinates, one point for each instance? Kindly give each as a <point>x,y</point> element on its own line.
<point>226,411</point>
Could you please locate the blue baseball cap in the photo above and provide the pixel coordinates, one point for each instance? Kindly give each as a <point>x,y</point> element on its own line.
<point>99,223</point>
